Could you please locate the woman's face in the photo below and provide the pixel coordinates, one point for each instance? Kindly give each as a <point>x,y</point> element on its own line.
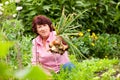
<point>43,30</point>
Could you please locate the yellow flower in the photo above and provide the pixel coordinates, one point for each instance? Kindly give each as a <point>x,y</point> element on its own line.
<point>93,36</point>
<point>106,56</point>
<point>88,30</point>
<point>92,44</point>
<point>80,34</point>
<point>71,36</point>
<point>96,37</point>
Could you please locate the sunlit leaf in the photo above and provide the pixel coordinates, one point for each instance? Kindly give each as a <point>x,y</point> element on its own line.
<point>4,47</point>
<point>32,73</point>
<point>4,72</point>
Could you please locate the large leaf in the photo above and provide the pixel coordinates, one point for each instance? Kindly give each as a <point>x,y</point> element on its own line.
<point>4,44</point>
<point>32,73</point>
<point>5,72</point>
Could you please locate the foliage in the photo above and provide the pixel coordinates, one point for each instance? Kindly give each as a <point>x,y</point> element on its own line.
<point>106,46</point>
<point>4,49</point>
<point>31,73</point>
<point>13,29</point>
<point>65,29</point>
<point>26,50</point>
<point>51,8</point>
<point>94,69</point>
<point>65,25</point>
<point>8,9</point>
<point>102,16</point>
<point>11,37</point>
<point>100,45</point>
<point>5,45</point>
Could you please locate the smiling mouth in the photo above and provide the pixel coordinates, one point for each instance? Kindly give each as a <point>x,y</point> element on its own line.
<point>43,32</point>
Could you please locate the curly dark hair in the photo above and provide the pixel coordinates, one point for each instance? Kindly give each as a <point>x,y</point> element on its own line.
<point>40,20</point>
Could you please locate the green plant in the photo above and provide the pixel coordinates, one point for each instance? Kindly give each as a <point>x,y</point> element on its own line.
<point>102,16</point>
<point>50,8</point>
<point>65,29</point>
<point>105,46</point>
<point>8,70</point>
<point>5,46</point>
<point>93,69</point>
<point>31,73</point>
<point>97,45</point>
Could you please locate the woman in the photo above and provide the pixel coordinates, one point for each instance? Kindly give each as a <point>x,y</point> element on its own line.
<point>41,55</point>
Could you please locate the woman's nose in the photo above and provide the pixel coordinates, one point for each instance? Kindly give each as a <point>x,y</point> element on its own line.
<point>42,27</point>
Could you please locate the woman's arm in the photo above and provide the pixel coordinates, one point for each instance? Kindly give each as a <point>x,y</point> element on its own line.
<point>34,59</point>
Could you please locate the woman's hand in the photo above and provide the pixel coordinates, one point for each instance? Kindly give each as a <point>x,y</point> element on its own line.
<point>58,45</point>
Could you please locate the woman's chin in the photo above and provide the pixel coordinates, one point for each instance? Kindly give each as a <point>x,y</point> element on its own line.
<point>45,36</point>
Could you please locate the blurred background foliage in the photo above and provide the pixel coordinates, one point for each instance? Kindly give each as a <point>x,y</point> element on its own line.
<point>102,15</point>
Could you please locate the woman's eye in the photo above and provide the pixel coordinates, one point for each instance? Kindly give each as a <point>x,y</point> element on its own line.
<point>45,24</point>
<point>39,26</point>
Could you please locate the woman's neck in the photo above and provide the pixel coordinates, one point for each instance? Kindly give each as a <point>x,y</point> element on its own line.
<point>44,42</point>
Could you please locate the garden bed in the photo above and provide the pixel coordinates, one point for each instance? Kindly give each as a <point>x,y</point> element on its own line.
<point>94,69</point>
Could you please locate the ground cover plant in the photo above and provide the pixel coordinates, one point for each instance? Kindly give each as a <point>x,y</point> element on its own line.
<point>92,69</point>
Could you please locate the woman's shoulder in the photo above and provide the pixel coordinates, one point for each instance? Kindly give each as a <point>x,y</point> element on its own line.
<point>34,40</point>
<point>54,32</point>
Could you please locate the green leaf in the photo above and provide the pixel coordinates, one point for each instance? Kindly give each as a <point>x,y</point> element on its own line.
<point>47,7</point>
<point>4,72</point>
<point>32,73</point>
<point>4,47</point>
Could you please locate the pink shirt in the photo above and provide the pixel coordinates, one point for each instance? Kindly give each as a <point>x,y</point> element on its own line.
<point>48,60</point>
